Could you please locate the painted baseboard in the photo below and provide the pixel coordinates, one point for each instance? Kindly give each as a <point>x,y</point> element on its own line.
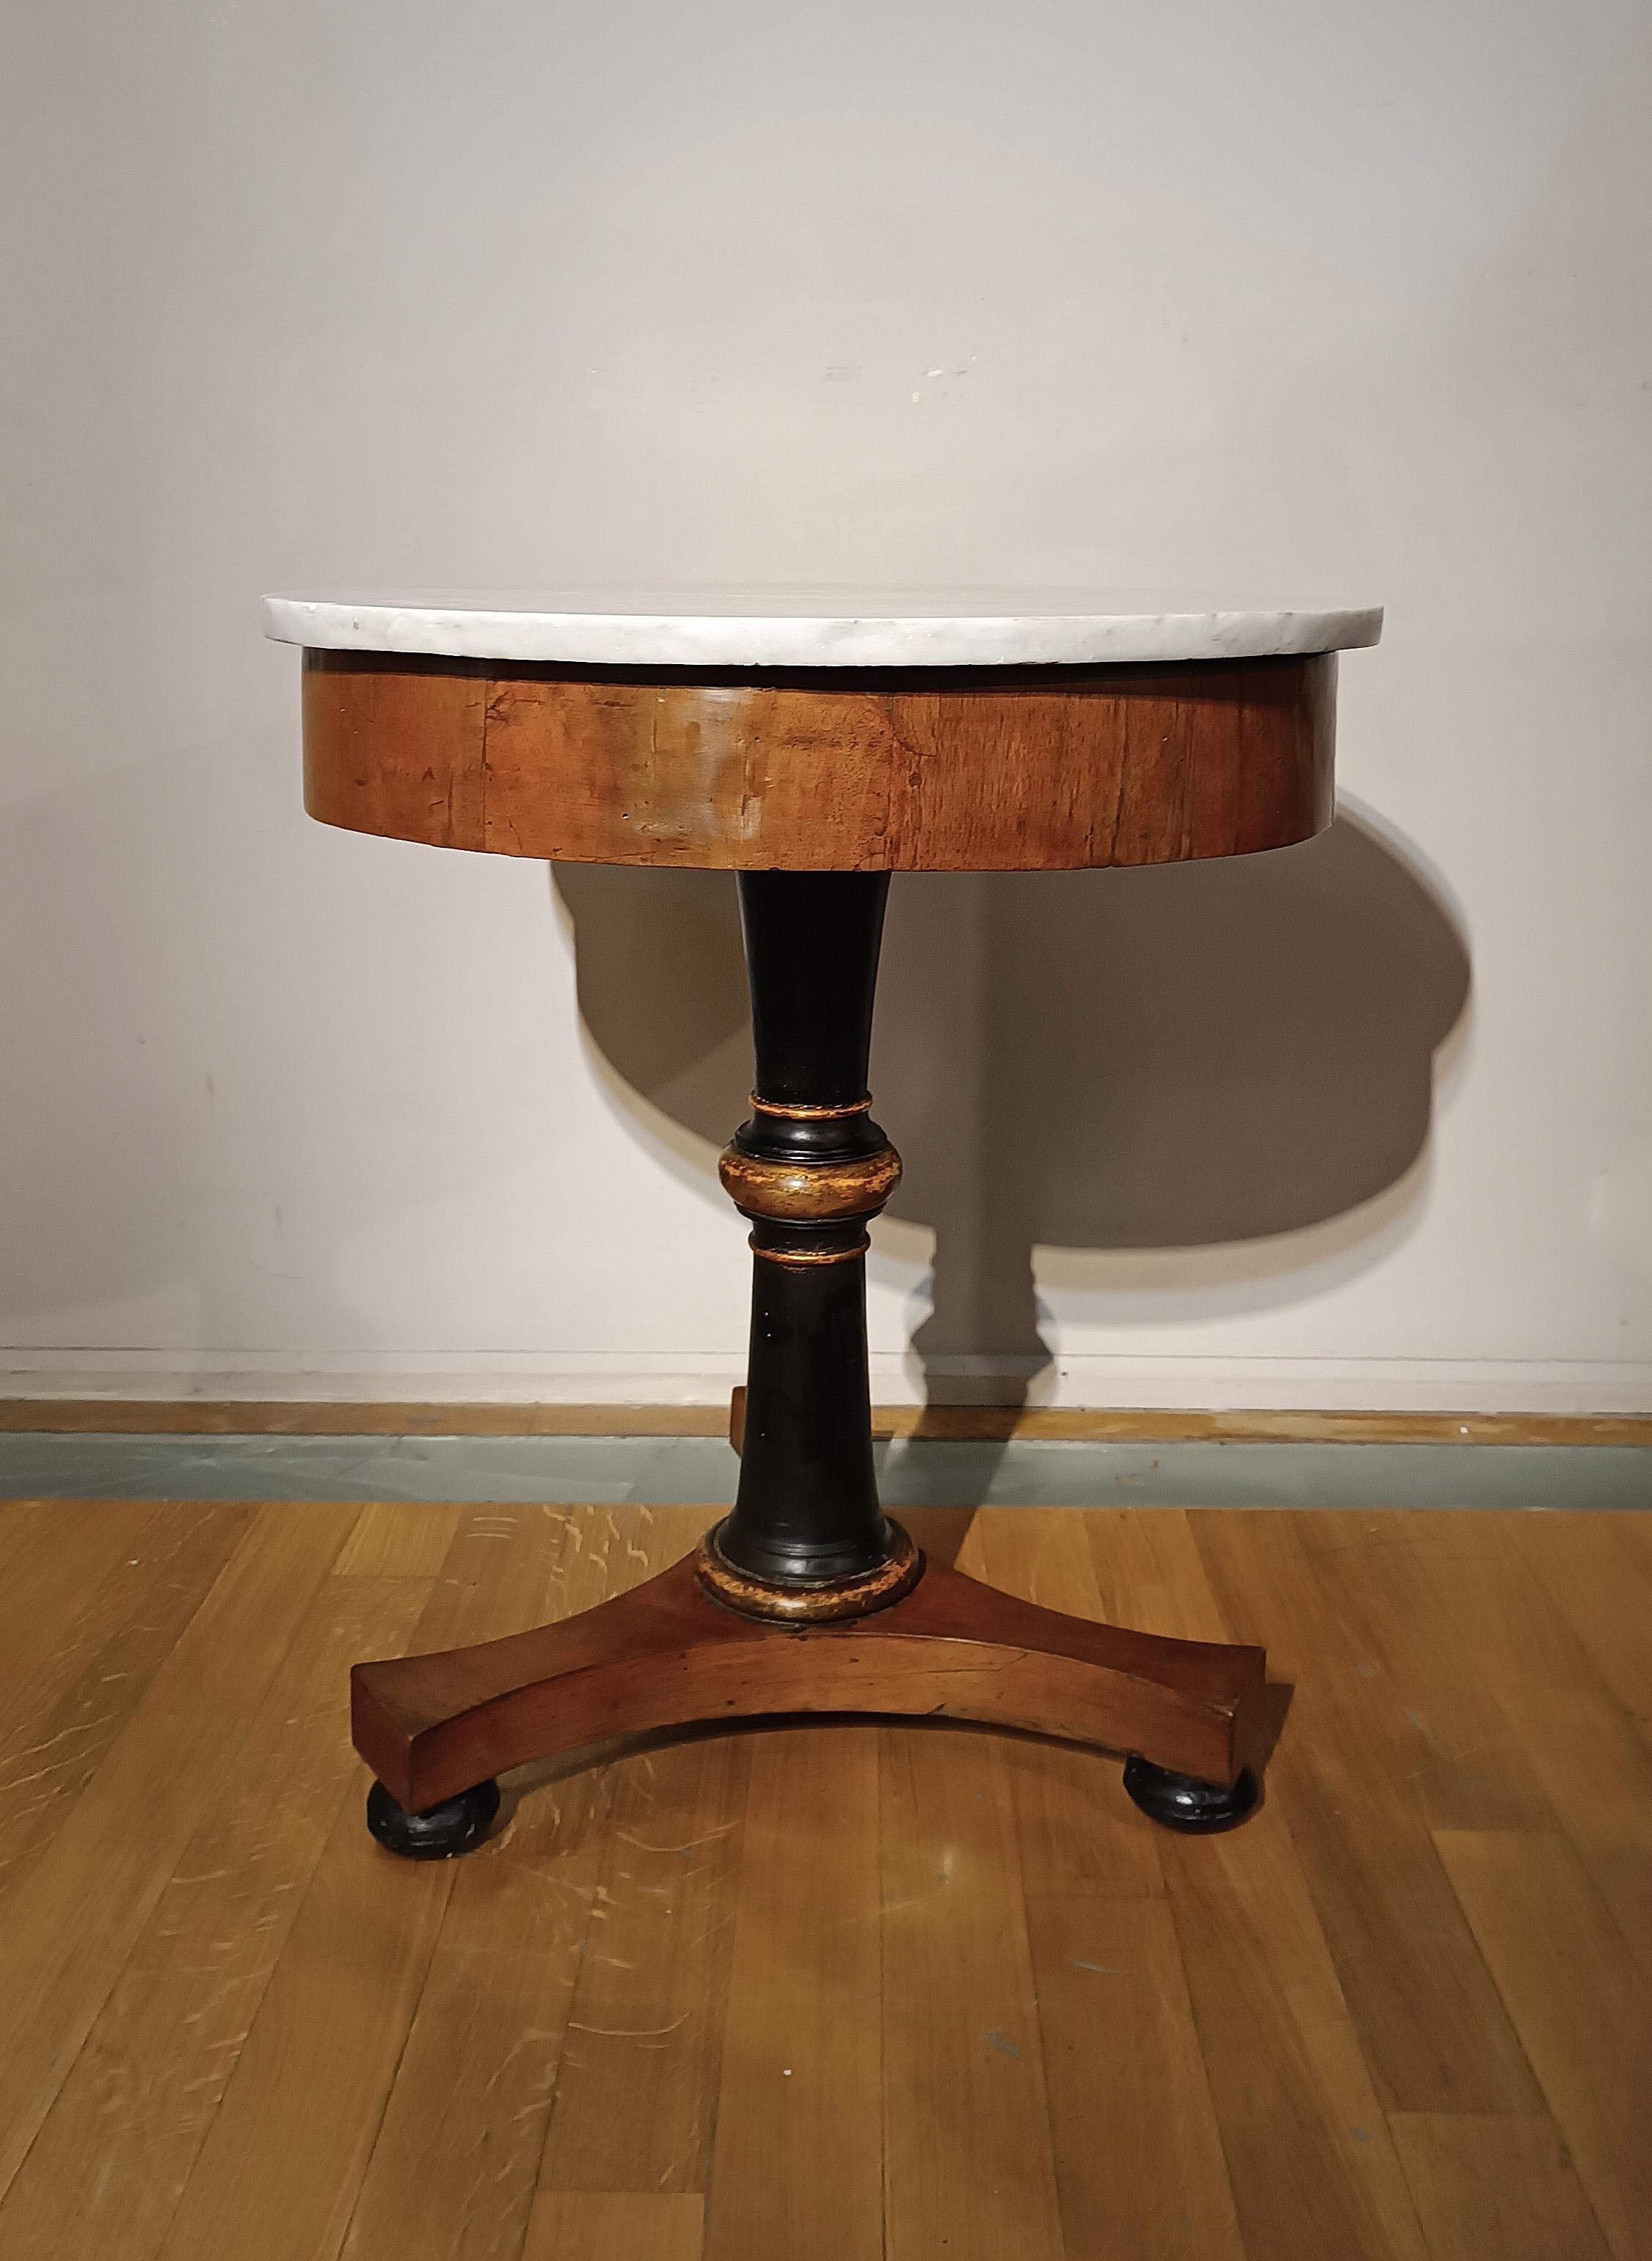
<point>241,1421</point>
<point>1083,1383</point>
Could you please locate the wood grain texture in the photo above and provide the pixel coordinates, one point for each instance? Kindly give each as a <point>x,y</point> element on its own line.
<point>800,2137</point>
<point>1595,1765</point>
<point>236,2027</point>
<point>613,2226</point>
<point>168,2040</point>
<point>432,789</point>
<point>1308,2155</point>
<point>124,1837</point>
<point>1103,1944</point>
<point>1582,2007</point>
<point>969,2165</point>
<point>1491,2188</point>
<point>1307,2152</point>
<point>398,1539</point>
<point>666,1656</point>
<point>943,770</point>
<point>317,2065</point>
<point>1402,1595</point>
<point>85,1637</point>
<point>1431,2022</point>
<point>637,2092</point>
<point>1604,1592</point>
<point>260,1417</point>
<point>457,2158</point>
<point>1114,1965</point>
<point>343,2042</point>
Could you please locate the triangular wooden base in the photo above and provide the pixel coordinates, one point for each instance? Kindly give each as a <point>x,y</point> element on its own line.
<point>665,1655</point>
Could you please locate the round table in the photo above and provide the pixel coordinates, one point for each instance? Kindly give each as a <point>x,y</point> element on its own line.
<point>814,742</point>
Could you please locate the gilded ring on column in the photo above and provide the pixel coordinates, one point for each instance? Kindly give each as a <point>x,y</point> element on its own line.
<point>804,1605</point>
<point>810,1192</point>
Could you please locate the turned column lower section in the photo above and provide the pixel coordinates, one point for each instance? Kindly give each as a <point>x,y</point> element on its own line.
<point>807,1539</point>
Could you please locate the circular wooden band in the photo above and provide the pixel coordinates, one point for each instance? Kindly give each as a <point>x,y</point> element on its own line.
<point>810,1114</point>
<point>802,1259</point>
<point>936,770</point>
<point>804,1605</point>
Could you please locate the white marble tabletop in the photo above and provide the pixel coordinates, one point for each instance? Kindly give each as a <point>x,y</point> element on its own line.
<point>851,627</point>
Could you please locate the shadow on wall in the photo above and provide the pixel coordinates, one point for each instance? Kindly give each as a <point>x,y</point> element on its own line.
<point>1191,1058</point>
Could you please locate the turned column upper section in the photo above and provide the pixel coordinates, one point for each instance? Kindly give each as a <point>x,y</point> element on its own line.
<point>848,743</point>
<point>809,1154</point>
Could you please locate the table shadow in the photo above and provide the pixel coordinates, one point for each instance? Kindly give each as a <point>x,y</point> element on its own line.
<point>1194,1090</point>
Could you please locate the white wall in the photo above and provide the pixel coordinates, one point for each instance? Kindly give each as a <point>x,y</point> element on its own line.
<point>1316,302</point>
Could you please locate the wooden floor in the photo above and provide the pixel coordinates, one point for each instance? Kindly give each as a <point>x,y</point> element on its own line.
<point>839,1990</point>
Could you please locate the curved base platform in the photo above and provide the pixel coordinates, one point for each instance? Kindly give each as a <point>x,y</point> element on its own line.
<point>665,1655</point>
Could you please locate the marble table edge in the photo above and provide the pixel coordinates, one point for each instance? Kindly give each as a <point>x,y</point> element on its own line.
<point>688,638</point>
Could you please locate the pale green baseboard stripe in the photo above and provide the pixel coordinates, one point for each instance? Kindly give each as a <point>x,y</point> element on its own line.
<point>667,1471</point>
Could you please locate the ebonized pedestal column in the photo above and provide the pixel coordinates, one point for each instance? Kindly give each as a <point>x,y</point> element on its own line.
<point>808,1540</point>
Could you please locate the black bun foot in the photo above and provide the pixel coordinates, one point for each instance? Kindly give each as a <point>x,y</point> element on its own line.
<point>1179,1801</point>
<point>456,1826</point>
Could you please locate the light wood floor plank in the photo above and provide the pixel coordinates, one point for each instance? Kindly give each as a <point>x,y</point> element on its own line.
<point>399,1539</point>
<point>1311,2165</point>
<point>1496,2188</point>
<point>72,1923</point>
<point>613,2226</point>
<point>637,2091</point>
<point>1602,1588</point>
<point>1431,2025</point>
<point>1597,1770</point>
<point>967,2162</point>
<point>1149,1573</point>
<point>1496,1610</point>
<point>1139,2160</point>
<point>83,1660</point>
<point>283,2158</point>
<point>59,1556</point>
<point>318,2064</point>
<point>798,2162</point>
<point>1582,2007</point>
<point>1436,1611</point>
<point>1634,1533</point>
<point>454,2168</point>
<point>1307,2056</point>
<point>455,2163</point>
<point>144,2089</point>
<point>553,2047</point>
